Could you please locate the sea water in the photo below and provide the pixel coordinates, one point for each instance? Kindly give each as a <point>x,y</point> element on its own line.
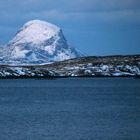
<point>70,109</point>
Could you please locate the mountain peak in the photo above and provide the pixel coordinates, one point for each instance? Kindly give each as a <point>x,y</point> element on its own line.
<point>35,32</point>
<point>41,24</point>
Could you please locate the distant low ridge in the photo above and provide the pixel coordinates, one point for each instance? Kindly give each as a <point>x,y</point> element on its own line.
<point>108,66</point>
<point>37,42</point>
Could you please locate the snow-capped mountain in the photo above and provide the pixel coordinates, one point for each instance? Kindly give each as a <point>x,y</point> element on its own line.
<point>37,42</point>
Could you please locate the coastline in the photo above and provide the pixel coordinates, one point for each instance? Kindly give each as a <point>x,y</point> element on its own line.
<point>60,77</point>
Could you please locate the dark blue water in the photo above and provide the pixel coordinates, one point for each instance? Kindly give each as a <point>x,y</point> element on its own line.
<point>70,109</point>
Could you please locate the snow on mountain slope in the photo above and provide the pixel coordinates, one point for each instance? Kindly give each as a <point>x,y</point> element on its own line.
<point>35,32</point>
<point>37,42</point>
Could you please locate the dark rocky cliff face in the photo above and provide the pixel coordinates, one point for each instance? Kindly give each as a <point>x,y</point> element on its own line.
<point>86,66</point>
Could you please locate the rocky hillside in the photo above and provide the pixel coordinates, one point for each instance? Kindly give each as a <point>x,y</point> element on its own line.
<point>86,66</point>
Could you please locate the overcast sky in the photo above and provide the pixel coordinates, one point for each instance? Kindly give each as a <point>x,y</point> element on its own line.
<point>97,27</point>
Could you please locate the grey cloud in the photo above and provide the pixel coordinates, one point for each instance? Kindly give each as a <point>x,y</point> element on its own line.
<point>96,11</point>
<point>63,5</point>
